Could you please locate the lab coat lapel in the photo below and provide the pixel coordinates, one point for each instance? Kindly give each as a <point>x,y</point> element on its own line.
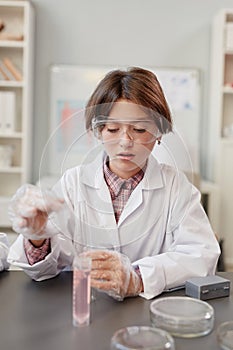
<point>99,207</point>
<point>134,201</point>
<point>95,190</point>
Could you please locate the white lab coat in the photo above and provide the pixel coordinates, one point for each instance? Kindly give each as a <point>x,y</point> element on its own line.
<point>163,228</point>
<point>4,248</point>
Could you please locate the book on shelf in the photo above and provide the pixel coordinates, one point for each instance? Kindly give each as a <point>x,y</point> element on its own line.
<point>7,111</point>
<point>1,76</point>
<point>9,71</point>
<point>4,72</point>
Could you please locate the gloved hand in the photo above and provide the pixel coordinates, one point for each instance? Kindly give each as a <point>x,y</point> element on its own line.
<point>29,210</point>
<point>113,273</point>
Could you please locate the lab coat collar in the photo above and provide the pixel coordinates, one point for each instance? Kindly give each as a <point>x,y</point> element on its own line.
<point>153,177</point>
<point>92,174</point>
<point>92,177</point>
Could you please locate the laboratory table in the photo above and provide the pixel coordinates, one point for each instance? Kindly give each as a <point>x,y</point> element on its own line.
<point>38,315</point>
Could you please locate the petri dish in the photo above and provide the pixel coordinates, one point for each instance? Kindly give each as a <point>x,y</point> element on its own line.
<point>225,335</point>
<point>183,317</point>
<point>142,337</point>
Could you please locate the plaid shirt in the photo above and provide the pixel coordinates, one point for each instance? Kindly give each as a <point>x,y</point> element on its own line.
<point>120,190</point>
<point>36,254</point>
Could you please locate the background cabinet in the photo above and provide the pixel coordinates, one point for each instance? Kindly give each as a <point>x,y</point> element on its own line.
<point>221,122</point>
<point>16,47</point>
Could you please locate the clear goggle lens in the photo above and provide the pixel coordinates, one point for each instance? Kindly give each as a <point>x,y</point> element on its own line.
<point>139,130</point>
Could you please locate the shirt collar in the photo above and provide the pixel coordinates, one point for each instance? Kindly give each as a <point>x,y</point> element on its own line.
<point>115,183</point>
<point>153,178</point>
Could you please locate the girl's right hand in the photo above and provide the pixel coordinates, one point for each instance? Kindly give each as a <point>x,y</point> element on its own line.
<point>29,210</point>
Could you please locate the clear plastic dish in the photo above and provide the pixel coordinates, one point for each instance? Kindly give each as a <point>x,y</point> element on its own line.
<point>143,338</point>
<point>225,335</point>
<point>183,317</point>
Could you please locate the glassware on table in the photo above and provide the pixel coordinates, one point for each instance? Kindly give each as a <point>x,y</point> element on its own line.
<point>90,236</point>
<point>142,337</point>
<point>225,335</point>
<point>81,290</point>
<point>183,317</point>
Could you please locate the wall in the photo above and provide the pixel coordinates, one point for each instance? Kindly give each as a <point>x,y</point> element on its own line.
<point>158,33</point>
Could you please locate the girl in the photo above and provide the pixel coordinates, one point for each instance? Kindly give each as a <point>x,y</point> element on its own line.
<point>145,218</point>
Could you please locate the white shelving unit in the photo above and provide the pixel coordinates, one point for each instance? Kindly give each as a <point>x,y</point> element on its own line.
<point>221,122</point>
<point>18,19</point>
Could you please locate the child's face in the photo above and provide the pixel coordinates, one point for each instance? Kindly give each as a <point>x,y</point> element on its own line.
<point>128,138</point>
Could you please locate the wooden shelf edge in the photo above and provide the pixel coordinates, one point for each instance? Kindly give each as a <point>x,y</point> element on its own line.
<point>11,170</point>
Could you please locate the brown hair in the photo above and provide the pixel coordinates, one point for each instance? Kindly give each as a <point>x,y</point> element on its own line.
<point>139,86</point>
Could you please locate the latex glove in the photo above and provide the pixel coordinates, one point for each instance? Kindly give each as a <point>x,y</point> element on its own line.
<point>113,273</point>
<point>29,210</point>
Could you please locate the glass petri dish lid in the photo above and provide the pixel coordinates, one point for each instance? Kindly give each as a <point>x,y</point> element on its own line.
<point>183,317</point>
<point>143,338</point>
<point>225,335</point>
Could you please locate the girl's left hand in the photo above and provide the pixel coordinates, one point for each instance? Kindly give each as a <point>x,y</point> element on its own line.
<point>113,273</point>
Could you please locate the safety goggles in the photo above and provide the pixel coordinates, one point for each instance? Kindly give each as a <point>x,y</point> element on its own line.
<point>112,130</point>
